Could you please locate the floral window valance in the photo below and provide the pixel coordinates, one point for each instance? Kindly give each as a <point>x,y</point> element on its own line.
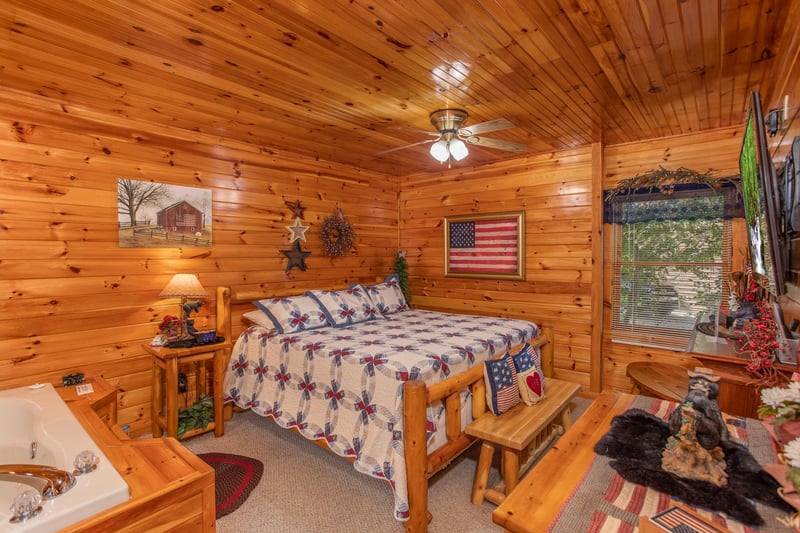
<point>642,195</point>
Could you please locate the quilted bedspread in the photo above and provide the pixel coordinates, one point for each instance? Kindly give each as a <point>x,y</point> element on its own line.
<point>344,385</point>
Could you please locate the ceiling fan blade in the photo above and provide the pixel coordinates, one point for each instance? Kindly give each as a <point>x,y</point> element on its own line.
<point>485,127</point>
<point>427,141</point>
<point>412,130</point>
<point>498,144</point>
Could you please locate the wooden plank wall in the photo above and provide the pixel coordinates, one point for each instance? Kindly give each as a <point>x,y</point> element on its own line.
<point>717,150</point>
<point>554,190</point>
<point>73,300</point>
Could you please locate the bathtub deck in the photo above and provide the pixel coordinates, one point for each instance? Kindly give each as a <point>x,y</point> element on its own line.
<point>171,488</point>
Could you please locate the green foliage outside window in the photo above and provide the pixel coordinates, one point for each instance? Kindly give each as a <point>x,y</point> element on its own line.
<point>669,266</point>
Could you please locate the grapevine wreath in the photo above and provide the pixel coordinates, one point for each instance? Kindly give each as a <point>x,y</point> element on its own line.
<point>337,234</point>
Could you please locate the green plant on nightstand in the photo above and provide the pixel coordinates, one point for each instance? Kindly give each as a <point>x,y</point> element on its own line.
<point>197,416</point>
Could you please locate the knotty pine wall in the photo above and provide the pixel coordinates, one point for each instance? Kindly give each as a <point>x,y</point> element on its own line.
<point>558,192</point>
<point>717,150</point>
<point>73,300</point>
<point>554,190</point>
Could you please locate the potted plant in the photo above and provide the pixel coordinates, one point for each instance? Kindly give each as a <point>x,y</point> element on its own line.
<point>197,416</point>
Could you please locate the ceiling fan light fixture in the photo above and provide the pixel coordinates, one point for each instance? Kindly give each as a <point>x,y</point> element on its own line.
<point>458,149</point>
<point>439,151</point>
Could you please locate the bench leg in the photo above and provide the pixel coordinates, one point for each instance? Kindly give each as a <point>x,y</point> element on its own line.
<point>566,418</point>
<point>510,468</point>
<point>482,472</point>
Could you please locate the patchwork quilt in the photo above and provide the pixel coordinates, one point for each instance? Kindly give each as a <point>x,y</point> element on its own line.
<point>344,385</point>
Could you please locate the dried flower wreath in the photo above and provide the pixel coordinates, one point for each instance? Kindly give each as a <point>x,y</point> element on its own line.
<point>337,234</point>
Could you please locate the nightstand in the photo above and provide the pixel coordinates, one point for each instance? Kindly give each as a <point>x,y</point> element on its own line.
<point>164,399</point>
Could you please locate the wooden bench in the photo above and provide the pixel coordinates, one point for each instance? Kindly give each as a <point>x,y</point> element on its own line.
<point>523,433</point>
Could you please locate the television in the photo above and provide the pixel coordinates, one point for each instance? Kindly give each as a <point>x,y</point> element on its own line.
<point>762,200</point>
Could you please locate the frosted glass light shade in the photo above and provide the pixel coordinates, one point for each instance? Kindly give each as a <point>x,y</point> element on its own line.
<point>184,286</point>
<point>458,149</point>
<point>439,151</point>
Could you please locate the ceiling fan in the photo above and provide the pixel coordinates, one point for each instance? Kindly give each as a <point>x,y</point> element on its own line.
<point>453,137</point>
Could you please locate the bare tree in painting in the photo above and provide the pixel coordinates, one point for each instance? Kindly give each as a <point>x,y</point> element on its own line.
<point>132,195</point>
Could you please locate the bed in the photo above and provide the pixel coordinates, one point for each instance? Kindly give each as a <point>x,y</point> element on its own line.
<point>392,395</point>
<point>573,489</point>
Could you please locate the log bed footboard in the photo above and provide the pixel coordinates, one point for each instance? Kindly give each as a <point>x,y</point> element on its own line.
<point>420,465</point>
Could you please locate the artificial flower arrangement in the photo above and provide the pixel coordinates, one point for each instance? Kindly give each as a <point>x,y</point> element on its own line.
<point>780,412</point>
<point>170,326</point>
<point>758,339</point>
<point>780,406</point>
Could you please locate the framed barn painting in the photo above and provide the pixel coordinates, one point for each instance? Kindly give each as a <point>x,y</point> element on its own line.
<point>488,246</point>
<point>157,215</point>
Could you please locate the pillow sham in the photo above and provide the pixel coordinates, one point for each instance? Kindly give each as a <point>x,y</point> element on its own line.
<point>346,307</point>
<point>530,378</point>
<point>502,391</point>
<point>293,314</point>
<point>259,318</point>
<point>387,295</point>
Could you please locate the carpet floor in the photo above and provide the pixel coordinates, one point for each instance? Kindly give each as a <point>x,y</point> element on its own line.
<point>307,489</point>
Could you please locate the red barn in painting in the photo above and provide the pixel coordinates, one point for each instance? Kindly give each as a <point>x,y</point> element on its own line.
<point>180,217</point>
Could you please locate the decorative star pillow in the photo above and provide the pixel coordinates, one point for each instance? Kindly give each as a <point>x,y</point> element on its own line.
<point>528,363</point>
<point>502,392</point>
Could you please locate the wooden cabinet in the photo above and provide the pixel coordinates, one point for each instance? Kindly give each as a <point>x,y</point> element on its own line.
<point>164,399</point>
<point>738,394</point>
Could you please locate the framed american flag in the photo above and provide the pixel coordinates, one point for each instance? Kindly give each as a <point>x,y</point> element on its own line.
<point>488,245</point>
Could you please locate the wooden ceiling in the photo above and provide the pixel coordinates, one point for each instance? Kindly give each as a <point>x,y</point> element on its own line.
<point>343,80</point>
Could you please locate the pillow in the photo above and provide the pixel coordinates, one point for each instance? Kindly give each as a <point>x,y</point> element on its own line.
<point>387,296</point>
<point>530,379</point>
<point>293,314</point>
<point>259,318</point>
<point>502,391</point>
<point>347,307</point>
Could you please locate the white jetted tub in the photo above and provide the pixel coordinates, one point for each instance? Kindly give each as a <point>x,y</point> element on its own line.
<point>37,423</point>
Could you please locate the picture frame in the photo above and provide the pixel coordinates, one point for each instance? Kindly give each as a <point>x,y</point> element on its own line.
<point>160,215</point>
<point>489,246</point>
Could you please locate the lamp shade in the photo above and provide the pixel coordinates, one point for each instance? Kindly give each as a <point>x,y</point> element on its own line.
<point>458,149</point>
<point>439,151</point>
<point>184,286</point>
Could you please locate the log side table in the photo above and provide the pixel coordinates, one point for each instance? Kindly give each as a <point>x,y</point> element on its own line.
<point>164,399</point>
<point>660,380</point>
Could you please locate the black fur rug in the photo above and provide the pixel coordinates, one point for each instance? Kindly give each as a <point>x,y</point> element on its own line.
<point>635,443</point>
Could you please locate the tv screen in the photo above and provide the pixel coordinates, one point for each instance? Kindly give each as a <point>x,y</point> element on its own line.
<point>761,195</point>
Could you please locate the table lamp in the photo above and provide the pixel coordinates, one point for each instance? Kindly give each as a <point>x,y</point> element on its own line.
<point>184,286</point>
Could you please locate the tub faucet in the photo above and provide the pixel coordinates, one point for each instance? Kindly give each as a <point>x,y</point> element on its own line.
<point>49,481</point>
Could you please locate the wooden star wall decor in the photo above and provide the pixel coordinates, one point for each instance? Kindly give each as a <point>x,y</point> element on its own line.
<point>296,256</point>
<point>298,211</point>
<point>298,230</point>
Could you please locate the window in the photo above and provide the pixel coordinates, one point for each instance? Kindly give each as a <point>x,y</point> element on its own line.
<point>671,256</point>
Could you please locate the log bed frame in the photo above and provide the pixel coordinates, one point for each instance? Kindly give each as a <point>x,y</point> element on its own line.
<point>420,465</point>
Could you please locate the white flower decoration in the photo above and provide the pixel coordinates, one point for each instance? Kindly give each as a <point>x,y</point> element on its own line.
<point>792,453</point>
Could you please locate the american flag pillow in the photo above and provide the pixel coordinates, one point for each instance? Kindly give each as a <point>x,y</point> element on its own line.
<point>528,363</point>
<point>502,391</point>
